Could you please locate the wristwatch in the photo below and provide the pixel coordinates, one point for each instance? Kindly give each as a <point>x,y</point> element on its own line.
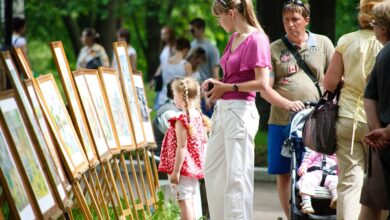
<point>235,88</point>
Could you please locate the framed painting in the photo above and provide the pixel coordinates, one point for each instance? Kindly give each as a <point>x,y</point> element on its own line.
<point>42,147</point>
<point>93,119</point>
<point>140,90</point>
<point>73,101</point>
<point>131,100</point>
<point>96,92</point>
<point>21,204</point>
<point>71,151</point>
<point>31,87</point>
<point>22,136</point>
<point>117,107</point>
<point>23,64</point>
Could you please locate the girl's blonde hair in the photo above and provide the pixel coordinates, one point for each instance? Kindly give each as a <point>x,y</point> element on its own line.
<point>365,13</point>
<point>189,90</point>
<point>245,7</point>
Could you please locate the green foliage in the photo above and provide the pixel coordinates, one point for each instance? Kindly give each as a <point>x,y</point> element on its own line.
<point>165,210</point>
<point>346,14</point>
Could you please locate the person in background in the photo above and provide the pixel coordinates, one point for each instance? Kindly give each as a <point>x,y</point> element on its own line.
<point>92,55</point>
<point>293,83</point>
<point>210,68</point>
<point>229,165</point>
<point>376,187</point>
<point>19,30</point>
<point>196,59</point>
<point>175,66</point>
<point>124,35</point>
<point>183,148</point>
<point>166,111</point>
<point>167,47</point>
<point>352,64</point>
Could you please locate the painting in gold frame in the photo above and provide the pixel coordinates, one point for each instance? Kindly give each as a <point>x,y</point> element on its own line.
<point>22,136</point>
<point>23,64</point>
<point>42,147</point>
<point>131,99</point>
<point>93,119</point>
<point>58,117</point>
<point>117,106</point>
<point>21,204</point>
<point>74,104</point>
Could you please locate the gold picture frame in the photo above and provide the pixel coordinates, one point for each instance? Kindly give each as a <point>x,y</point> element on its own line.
<point>93,119</point>
<point>71,150</point>
<point>31,88</point>
<point>74,104</point>
<point>21,133</point>
<point>23,63</point>
<point>131,99</point>
<point>140,90</point>
<point>21,203</point>
<point>115,100</point>
<point>41,147</point>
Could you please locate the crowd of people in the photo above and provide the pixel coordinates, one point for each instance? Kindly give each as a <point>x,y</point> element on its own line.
<point>190,91</point>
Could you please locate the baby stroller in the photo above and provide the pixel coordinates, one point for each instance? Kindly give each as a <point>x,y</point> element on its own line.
<point>294,147</point>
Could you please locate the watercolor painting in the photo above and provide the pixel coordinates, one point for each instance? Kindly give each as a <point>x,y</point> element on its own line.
<point>92,117</point>
<point>59,114</point>
<point>118,109</point>
<point>29,158</point>
<point>128,87</point>
<point>63,70</point>
<point>14,181</point>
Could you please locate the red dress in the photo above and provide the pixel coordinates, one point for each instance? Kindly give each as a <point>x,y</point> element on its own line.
<point>194,160</point>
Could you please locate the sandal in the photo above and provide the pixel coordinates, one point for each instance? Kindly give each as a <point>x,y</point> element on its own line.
<point>333,203</point>
<point>307,208</point>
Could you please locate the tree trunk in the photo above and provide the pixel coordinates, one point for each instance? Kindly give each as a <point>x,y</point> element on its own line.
<point>106,27</point>
<point>270,15</point>
<point>74,33</point>
<point>323,18</point>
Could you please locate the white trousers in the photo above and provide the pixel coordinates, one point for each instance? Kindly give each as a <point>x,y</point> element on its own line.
<point>229,165</point>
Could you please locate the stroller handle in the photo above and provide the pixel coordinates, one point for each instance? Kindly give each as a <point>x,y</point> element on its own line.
<point>310,104</point>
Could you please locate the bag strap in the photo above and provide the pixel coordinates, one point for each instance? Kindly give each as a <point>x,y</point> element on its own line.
<point>301,63</point>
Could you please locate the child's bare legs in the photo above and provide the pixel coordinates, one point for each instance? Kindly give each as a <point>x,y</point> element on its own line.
<point>306,204</point>
<point>187,209</point>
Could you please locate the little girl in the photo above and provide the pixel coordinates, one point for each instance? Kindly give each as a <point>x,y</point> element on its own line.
<point>317,169</point>
<point>183,147</point>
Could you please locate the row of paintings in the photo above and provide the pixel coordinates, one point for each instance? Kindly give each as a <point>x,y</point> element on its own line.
<point>107,114</point>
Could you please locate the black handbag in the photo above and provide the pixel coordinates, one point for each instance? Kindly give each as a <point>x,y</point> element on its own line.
<point>94,63</point>
<point>319,131</point>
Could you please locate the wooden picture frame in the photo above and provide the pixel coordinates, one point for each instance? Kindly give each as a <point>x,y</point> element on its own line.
<point>15,121</point>
<point>131,99</point>
<point>31,87</point>
<point>115,100</point>
<point>100,102</point>
<point>93,119</point>
<point>23,63</point>
<point>140,90</point>
<point>41,147</point>
<point>74,104</point>
<point>71,152</point>
<point>21,204</point>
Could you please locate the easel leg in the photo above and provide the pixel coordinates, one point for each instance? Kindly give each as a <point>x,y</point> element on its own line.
<point>127,212</point>
<point>102,201</point>
<point>93,199</point>
<point>143,184</point>
<point>113,187</point>
<point>81,199</point>
<point>155,172</point>
<point>149,177</point>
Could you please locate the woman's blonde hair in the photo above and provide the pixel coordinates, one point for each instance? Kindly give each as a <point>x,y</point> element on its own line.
<point>365,12</point>
<point>245,7</point>
<point>381,14</point>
